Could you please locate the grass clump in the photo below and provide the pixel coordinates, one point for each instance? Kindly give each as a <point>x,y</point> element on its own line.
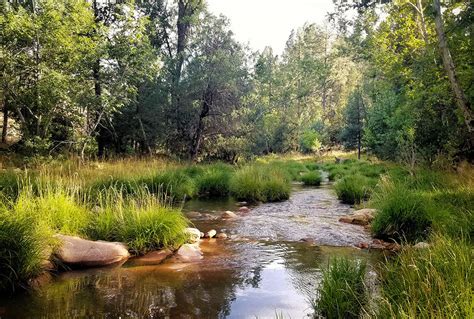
<point>175,183</point>
<point>144,223</point>
<point>436,282</point>
<point>403,214</point>
<point>214,180</point>
<point>22,250</point>
<point>342,292</point>
<point>353,189</point>
<point>263,183</point>
<point>312,178</point>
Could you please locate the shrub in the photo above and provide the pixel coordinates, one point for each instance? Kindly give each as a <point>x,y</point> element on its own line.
<point>436,282</point>
<point>353,189</point>
<point>260,183</point>
<point>403,214</point>
<point>312,178</point>
<point>342,292</point>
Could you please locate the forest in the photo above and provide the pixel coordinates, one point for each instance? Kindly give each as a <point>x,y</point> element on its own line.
<point>147,123</point>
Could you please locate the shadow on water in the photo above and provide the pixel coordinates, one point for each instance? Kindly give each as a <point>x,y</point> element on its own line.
<point>263,271</point>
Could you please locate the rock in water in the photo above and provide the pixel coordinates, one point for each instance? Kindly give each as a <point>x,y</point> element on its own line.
<point>188,253</point>
<point>152,258</point>
<point>76,251</point>
<point>193,234</point>
<point>210,233</point>
<point>228,215</point>
<point>359,217</point>
<point>221,236</point>
<point>244,210</point>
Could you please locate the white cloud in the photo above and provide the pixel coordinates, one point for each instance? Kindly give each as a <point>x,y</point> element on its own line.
<point>269,22</point>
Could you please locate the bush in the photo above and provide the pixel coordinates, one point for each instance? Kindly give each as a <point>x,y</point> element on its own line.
<point>436,282</point>
<point>260,183</point>
<point>22,250</point>
<point>353,189</point>
<point>312,178</point>
<point>342,292</point>
<point>403,214</point>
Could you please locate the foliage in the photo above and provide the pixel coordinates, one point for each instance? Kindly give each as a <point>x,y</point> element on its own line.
<point>342,292</point>
<point>214,180</point>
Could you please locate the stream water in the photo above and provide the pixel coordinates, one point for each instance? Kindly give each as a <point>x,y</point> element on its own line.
<point>263,270</point>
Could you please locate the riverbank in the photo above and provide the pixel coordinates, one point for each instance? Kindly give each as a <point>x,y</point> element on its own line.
<point>139,203</point>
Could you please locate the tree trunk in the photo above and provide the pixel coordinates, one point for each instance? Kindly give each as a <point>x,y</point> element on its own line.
<point>206,105</point>
<point>461,100</point>
<point>5,119</point>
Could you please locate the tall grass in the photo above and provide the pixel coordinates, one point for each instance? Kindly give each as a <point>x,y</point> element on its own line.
<point>23,249</point>
<point>259,182</point>
<point>214,180</point>
<point>342,292</point>
<point>403,214</point>
<point>144,223</point>
<point>312,178</point>
<point>353,189</point>
<point>437,282</point>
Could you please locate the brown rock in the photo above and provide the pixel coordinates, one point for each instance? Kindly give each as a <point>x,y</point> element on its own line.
<point>188,253</point>
<point>76,251</point>
<point>221,236</point>
<point>194,215</point>
<point>244,210</point>
<point>152,258</point>
<point>228,215</point>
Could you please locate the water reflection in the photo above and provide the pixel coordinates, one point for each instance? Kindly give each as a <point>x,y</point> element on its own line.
<point>271,272</point>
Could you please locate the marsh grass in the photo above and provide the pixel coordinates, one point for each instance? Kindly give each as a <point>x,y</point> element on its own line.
<point>312,178</point>
<point>436,282</point>
<point>342,292</point>
<point>143,222</point>
<point>214,180</point>
<point>260,182</point>
<point>353,189</point>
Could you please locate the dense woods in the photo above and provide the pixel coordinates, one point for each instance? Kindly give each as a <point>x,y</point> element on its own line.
<point>104,78</point>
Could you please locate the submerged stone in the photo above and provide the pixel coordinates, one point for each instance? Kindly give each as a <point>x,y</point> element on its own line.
<point>152,258</point>
<point>188,253</point>
<point>228,215</point>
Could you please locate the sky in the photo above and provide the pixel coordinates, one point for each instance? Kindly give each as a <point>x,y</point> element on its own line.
<point>263,23</point>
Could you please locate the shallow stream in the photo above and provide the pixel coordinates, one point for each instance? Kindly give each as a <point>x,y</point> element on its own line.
<point>270,265</point>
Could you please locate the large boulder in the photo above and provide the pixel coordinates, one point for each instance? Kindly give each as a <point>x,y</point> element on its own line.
<point>193,234</point>
<point>75,251</point>
<point>188,253</point>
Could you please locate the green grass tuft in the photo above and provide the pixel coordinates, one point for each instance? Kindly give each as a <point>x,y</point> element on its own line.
<point>353,189</point>
<point>260,182</point>
<point>312,178</point>
<point>436,282</point>
<point>342,292</point>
